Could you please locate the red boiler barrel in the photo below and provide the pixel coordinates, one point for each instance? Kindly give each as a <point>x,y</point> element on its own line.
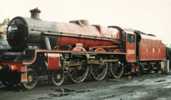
<point>89,35</point>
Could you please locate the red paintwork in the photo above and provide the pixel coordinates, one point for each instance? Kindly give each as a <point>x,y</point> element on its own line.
<point>13,66</point>
<point>62,41</point>
<point>53,62</point>
<point>24,77</point>
<point>151,49</point>
<point>84,34</point>
<point>23,68</point>
<point>88,30</point>
<point>16,67</point>
<point>130,50</point>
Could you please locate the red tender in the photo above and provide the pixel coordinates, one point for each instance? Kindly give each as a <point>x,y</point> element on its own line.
<point>151,49</point>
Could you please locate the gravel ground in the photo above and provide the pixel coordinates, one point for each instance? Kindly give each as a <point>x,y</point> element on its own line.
<point>146,87</point>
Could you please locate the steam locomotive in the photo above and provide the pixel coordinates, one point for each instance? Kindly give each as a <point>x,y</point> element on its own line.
<point>76,49</point>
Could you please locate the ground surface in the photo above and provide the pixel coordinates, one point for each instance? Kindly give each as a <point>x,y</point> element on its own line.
<point>147,87</point>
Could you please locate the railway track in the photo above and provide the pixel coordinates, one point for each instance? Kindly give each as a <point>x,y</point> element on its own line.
<point>144,87</point>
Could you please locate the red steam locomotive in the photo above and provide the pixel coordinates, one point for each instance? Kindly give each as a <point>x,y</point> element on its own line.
<point>77,49</point>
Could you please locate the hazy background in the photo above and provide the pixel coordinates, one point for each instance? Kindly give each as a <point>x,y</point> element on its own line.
<point>150,16</point>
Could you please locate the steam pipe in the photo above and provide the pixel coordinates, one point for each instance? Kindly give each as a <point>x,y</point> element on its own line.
<point>47,43</point>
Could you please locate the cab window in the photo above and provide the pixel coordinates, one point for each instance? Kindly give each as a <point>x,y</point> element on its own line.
<point>130,38</point>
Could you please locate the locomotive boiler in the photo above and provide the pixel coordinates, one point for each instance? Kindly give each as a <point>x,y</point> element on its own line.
<point>75,49</point>
<point>33,32</point>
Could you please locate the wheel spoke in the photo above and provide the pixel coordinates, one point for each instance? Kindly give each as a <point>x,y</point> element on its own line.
<point>99,72</point>
<point>58,77</point>
<point>116,70</point>
<point>79,73</point>
<point>32,79</point>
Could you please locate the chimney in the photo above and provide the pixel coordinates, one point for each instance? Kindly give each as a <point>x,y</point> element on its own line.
<point>35,13</point>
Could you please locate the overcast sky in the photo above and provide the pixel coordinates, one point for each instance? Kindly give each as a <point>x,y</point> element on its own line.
<point>150,16</point>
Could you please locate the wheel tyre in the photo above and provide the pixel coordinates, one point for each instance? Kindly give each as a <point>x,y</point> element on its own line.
<point>99,76</point>
<point>82,77</point>
<point>32,80</point>
<point>116,73</point>
<point>58,77</point>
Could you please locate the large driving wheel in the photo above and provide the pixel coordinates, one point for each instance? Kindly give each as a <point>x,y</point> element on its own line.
<point>32,78</point>
<point>58,77</point>
<point>116,69</point>
<point>99,71</point>
<point>79,72</point>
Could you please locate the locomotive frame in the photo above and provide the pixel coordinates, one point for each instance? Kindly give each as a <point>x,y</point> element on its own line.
<point>76,49</point>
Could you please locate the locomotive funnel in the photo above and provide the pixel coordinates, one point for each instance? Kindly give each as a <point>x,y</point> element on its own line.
<point>35,13</point>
